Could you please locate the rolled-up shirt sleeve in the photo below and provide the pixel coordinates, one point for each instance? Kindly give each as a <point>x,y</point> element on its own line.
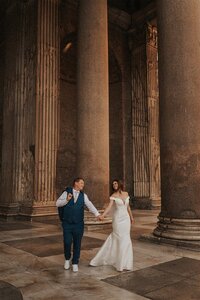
<point>90,206</point>
<point>62,200</point>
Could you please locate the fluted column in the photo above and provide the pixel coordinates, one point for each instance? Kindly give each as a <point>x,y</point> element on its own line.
<point>19,104</point>
<point>12,107</point>
<point>47,79</point>
<point>92,80</point>
<point>179,82</point>
<point>153,115</point>
<point>140,125</point>
<point>145,116</point>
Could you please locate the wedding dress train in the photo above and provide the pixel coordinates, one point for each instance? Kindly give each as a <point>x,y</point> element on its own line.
<point>117,249</point>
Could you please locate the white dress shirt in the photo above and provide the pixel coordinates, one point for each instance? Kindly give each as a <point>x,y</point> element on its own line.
<point>62,201</point>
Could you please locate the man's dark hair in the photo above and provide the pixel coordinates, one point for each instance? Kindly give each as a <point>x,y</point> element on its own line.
<point>77,180</point>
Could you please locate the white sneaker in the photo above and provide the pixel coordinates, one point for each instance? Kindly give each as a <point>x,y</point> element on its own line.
<point>75,268</point>
<point>67,264</point>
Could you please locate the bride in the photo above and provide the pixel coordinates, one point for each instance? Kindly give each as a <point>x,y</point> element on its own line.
<point>117,249</point>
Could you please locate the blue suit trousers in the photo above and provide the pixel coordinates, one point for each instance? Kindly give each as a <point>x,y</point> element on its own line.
<point>72,234</point>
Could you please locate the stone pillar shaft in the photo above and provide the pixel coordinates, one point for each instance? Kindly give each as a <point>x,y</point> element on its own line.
<point>19,103</point>
<point>93,131</point>
<point>140,124</point>
<point>30,121</point>
<point>179,81</point>
<point>12,105</point>
<point>47,80</point>
<point>153,115</point>
<point>19,107</point>
<point>145,113</point>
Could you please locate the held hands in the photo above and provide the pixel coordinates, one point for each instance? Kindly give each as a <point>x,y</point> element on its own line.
<point>100,218</point>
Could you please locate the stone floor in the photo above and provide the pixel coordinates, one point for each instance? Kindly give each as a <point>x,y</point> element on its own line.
<point>31,265</point>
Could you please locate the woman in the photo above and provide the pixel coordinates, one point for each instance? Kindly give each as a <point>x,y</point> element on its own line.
<point>117,249</point>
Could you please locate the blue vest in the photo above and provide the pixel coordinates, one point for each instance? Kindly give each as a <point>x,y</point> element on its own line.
<point>72,212</point>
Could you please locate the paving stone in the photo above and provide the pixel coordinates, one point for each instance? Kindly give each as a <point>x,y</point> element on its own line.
<point>9,292</point>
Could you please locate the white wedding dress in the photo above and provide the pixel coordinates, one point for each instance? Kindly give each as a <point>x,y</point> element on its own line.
<point>117,249</point>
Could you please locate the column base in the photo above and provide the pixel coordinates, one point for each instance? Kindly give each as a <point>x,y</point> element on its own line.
<point>156,202</point>
<point>146,203</point>
<point>39,213</point>
<point>188,245</point>
<point>180,229</point>
<point>8,211</point>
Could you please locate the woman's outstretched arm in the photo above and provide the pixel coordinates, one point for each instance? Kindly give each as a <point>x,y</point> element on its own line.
<point>130,214</point>
<point>108,208</point>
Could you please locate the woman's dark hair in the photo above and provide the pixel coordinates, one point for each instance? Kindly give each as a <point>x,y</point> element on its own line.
<point>120,185</point>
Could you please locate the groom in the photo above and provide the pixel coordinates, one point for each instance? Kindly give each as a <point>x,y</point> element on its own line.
<point>71,212</point>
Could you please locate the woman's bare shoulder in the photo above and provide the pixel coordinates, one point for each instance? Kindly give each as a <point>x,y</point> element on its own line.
<point>114,195</point>
<point>125,193</point>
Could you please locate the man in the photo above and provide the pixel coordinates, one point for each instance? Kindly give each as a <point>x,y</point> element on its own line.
<point>71,212</point>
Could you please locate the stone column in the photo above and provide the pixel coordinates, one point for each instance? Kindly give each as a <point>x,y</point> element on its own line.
<point>140,125</point>
<point>145,115</point>
<point>30,108</point>
<point>47,84</point>
<point>153,115</point>
<point>92,81</point>
<point>179,83</point>
<point>18,108</point>
<point>8,203</point>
